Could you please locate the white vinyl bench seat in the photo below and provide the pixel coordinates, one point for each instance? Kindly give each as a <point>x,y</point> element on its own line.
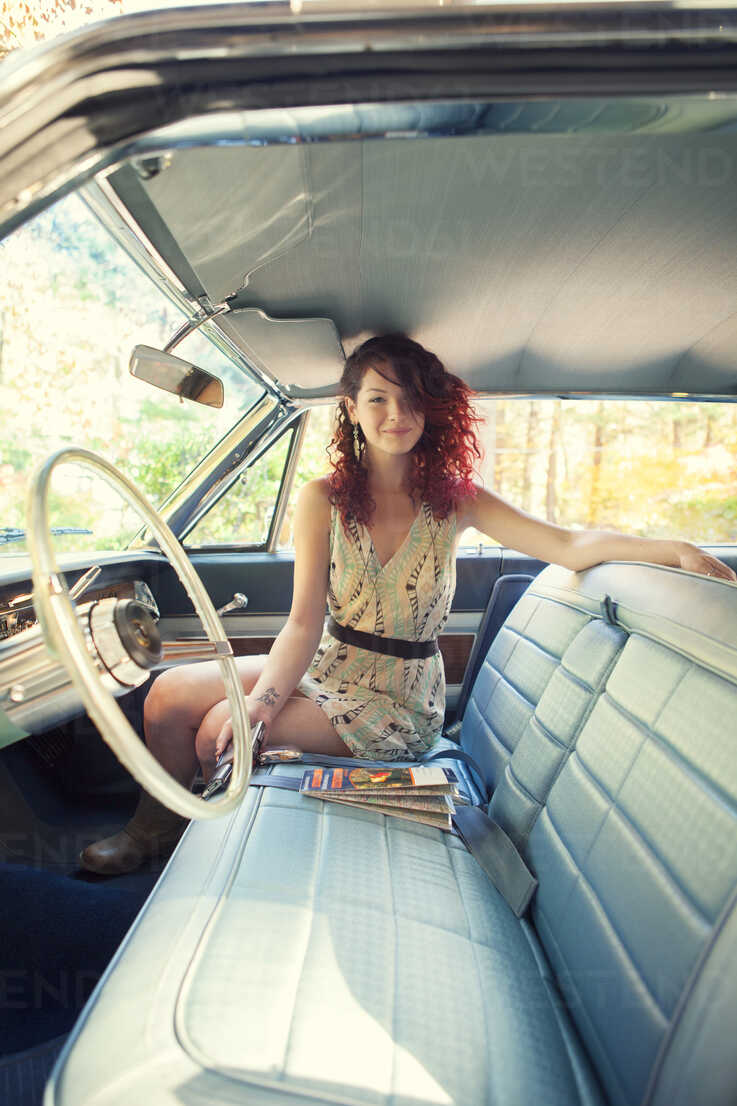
<point>303,951</point>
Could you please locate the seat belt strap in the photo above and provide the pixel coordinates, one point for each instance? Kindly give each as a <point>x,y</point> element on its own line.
<point>498,856</point>
<point>466,758</point>
<point>275,779</point>
<point>322,760</point>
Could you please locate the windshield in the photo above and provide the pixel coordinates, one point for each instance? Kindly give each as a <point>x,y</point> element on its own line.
<point>72,306</point>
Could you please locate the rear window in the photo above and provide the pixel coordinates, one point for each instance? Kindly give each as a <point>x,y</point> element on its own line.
<point>651,468</point>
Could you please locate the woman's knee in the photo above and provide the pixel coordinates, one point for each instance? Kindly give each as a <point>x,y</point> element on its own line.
<point>173,697</point>
<point>183,695</point>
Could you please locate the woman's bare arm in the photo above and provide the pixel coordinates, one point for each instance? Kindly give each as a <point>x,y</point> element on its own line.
<point>579,549</point>
<point>295,645</point>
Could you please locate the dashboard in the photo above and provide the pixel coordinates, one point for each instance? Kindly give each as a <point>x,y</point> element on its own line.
<point>17,613</point>
<point>118,615</point>
<point>121,576</point>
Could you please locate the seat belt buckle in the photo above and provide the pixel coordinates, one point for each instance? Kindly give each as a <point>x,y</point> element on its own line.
<point>284,755</point>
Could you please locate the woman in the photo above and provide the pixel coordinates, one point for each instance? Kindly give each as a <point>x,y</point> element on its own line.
<point>380,536</point>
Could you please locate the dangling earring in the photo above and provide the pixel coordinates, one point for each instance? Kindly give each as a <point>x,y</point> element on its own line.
<point>356,443</point>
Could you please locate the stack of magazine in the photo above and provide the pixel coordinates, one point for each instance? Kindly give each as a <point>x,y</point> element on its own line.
<point>420,793</point>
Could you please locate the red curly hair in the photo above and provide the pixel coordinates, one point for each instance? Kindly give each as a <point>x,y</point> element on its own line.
<point>445,454</point>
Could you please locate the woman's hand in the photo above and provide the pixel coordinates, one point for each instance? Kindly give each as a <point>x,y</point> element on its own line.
<point>694,559</point>
<point>225,737</point>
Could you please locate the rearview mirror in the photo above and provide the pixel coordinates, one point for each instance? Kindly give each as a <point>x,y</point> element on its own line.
<point>166,371</point>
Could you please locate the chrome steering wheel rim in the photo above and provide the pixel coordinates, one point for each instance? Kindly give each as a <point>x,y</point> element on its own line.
<point>64,637</point>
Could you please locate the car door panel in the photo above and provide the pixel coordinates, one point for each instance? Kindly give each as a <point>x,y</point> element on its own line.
<point>266,580</point>
<point>478,609</point>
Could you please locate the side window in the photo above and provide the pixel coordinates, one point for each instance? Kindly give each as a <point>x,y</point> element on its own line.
<point>312,462</point>
<point>242,516</point>
<point>655,468</point>
<point>659,469</point>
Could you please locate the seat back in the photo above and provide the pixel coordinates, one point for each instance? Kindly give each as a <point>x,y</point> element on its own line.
<point>506,592</point>
<point>606,713</point>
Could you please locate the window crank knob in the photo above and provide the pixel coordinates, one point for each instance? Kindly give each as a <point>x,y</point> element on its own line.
<point>239,602</point>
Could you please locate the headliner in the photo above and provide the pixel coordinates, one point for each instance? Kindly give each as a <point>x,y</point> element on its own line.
<point>600,259</point>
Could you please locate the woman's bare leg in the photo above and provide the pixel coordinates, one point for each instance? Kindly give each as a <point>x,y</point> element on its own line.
<point>183,715</point>
<point>300,722</point>
<point>185,710</point>
<point>176,705</point>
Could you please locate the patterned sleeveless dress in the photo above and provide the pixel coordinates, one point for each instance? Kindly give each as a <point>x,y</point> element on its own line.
<point>385,708</point>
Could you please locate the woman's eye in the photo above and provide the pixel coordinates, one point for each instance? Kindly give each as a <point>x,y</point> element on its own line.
<point>377,399</point>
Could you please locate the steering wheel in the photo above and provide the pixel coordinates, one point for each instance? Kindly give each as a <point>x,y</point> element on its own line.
<point>64,637</point>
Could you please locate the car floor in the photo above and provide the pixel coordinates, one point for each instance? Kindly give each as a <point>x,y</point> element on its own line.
<point>60,924</point>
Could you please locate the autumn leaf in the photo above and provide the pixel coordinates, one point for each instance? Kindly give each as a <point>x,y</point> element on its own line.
<point>23,23</point>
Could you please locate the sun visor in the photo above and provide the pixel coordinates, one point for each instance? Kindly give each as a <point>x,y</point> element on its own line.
<point>304,355</point>
<point>232,210</point>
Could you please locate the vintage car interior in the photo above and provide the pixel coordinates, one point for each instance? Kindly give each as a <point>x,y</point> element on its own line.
<point>547,197</point>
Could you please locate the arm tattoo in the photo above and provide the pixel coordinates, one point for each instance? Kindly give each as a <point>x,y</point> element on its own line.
<point>269,697</point>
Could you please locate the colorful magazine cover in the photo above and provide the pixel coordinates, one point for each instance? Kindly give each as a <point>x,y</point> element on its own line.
<point>373,779</point>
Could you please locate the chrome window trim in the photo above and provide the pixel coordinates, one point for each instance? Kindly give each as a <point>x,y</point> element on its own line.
<point>100,198</point>
<point>245,452</point>
<point>287,483</point>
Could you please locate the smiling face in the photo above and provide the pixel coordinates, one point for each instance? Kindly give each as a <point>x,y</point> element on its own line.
<point>382,409</point>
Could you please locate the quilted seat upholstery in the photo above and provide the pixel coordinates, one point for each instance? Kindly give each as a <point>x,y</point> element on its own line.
<point>306,951</point>
<point>387,969</point>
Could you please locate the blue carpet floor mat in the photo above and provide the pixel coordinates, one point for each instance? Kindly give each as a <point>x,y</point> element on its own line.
<point>57,936</point>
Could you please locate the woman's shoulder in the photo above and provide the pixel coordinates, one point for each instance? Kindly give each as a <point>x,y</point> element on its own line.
<point>314,496</point>
<point>312,519</point>
<point>317,489</point>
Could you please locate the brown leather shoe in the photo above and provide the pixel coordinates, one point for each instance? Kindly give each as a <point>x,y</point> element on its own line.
<point>151,834</point>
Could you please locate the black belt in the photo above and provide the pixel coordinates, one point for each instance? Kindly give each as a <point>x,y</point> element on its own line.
<point>391,646</point>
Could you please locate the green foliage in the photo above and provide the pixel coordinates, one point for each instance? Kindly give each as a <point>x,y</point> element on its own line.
<point>243,515</point>
<point>72,306</point>
<point>156,464</point>
<point>718,516</point>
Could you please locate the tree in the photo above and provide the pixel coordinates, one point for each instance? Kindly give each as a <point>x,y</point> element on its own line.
<point>709,431</point>
<point>24,22</point>
<point>551,503</point>
<point>596,456</point>
<point>530,449</point>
